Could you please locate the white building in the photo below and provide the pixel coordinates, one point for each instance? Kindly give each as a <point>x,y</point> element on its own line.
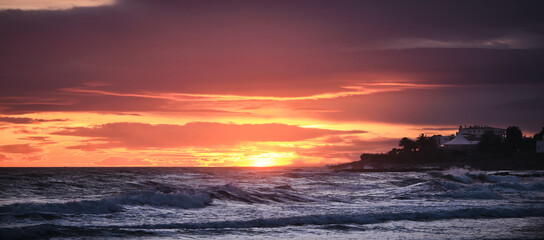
<point>476,131</point>
<point>440,140</point>
<point>540,146</point>
<point>460,143</point>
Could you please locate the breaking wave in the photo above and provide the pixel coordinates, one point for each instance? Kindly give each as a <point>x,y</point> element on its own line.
<point>467,176</point>
<point>459,183</point>
<point>161,196</point>
<point>283,193</point>
<point>113,204</point>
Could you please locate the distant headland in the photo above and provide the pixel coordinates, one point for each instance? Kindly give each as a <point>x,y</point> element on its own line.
<point>480,146</point>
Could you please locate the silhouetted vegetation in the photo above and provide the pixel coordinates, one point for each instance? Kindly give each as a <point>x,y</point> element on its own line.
<point>408,145</point>
<point>490,143</point>
<point>539,135</point>
<point>423,149</point>
<point>513,140</point>
<point>493,151</point>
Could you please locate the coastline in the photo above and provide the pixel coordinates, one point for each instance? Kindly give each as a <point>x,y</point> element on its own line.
<point>512,163</point>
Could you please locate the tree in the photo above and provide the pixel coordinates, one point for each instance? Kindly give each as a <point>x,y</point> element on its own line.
<point>393,152</point>
<point>528,144</point>
<point>540,135</point>
<point>489,143</point>
<point>514,137</point>
<point>408,145</point>
<point>426,144</point>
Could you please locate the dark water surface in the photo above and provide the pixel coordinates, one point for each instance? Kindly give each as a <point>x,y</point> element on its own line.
<point>308,203</point>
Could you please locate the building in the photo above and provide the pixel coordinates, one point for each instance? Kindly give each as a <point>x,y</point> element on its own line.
<point>540,146</point>
<point>460,143</point>
<point>440,140</point>
<point>475,132</point>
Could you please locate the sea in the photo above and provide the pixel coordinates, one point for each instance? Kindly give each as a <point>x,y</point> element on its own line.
<point>269,203</point>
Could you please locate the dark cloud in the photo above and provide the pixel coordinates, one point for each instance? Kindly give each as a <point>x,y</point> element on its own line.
<point>529,104</point>
<point>139,135</point>
<point>434,129</point>
<point>39,139</point>
<point>24,131</point>
<point>280,48</point>
<point>36,138</point>
<point>350,148</point>
<point>104,103</point>
<point>254,47</point>
<point>19,148</point>
<point>119,161</point>
<point>4,157</point>
<point>25,120</point>
<point>31,158</point>
<point>498,105</point>
<point>451,66</point>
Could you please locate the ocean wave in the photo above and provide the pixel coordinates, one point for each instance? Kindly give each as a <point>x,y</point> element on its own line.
<point>533,187</point>
<point>366,218</point>
<point>282,193</point>
<point>160,196</point>
<point>48,230</point>
<point>468,176</point>
<point>84,207</point>
<point>475,193</point>
<point>449,190</point>
<point>111,204</point>
<point>300,173</point>
<point>293,175</point>
<point>468,184</point>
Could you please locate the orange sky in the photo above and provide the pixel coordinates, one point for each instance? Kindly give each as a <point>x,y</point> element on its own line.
<point>253,83</point>
<point>264,136</point>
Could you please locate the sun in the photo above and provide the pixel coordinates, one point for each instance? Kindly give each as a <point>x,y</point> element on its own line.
<point>272,159</point>
<point>265,162</point>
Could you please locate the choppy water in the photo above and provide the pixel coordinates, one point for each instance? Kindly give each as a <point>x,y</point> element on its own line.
<point>281,203</point>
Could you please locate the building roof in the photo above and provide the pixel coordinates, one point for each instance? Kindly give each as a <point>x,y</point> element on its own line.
<point>460,140</point>
<point>480,127</point>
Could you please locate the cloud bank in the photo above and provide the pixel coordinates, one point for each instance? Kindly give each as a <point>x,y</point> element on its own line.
<point>140,135</point>
<point>218,65</point>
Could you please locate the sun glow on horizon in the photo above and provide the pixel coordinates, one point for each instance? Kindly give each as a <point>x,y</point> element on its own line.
<point>272,159</point>
<point>38,144</point>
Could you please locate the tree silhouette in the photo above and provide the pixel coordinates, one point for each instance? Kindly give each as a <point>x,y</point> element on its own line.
<point>540,135</point>
<point>490,142</point>
<point>426,144</point>
<point>408,145</point>
<point>514,137</point>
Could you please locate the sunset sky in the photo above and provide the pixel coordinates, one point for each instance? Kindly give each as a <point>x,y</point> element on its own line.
<point>258,83</point>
